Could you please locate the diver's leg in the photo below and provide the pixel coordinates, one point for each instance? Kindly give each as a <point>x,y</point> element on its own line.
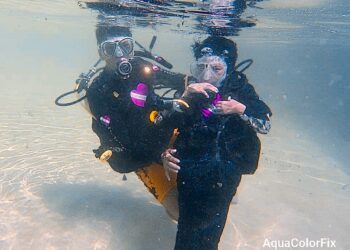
<point>205,193</point>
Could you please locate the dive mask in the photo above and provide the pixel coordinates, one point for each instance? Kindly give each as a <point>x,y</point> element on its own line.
<point>209,68</point>
<point>117,47</point>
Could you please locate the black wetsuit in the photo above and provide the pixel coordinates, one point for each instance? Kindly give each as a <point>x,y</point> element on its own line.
<point>133,139</point>
<point>214,153</point>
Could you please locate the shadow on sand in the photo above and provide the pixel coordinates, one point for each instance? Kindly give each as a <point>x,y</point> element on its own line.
<point>135,222</point>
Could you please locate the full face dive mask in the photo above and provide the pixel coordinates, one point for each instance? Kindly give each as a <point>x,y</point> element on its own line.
<point>209,68</point>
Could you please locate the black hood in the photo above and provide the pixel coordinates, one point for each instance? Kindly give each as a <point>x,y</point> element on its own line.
<point>103,32</point>
<point>219,45</point>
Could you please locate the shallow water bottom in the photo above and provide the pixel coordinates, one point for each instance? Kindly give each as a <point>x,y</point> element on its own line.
<point>55,195</point>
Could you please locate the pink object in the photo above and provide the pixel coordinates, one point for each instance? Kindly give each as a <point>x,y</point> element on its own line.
<point>207,112</point>
<point>106,120</point>
<point>217,99</point>
<point>139,95</point>
<point>155,68</point>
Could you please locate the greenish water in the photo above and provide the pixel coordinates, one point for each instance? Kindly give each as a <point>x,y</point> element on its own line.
<point>55,195</point>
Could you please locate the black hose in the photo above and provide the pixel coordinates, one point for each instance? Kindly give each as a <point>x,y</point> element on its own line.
<point>68,103</point>
<point>249,62</point>
<point>167,92</point>
<point>82,82</point>
<point>149,55</point>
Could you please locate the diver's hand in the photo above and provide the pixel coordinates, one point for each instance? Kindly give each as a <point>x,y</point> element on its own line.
<point>170,162</point>
<point>200,88</point>
<point>230,106</point>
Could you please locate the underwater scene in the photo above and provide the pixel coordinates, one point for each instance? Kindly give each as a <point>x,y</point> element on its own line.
<point>183,124</point>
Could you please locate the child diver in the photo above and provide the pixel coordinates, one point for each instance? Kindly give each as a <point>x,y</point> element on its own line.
<point>217,142</point>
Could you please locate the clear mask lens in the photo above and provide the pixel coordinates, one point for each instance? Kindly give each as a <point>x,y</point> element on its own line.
<point>127,45</point>
<point>209,69</point>
<point>108,48</point>
<point>122,47</point>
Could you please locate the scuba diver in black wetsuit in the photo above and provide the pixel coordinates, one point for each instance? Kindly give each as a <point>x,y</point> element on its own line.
<point>121,99</point>
<point>217,143</point>
<point>123,102</point>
